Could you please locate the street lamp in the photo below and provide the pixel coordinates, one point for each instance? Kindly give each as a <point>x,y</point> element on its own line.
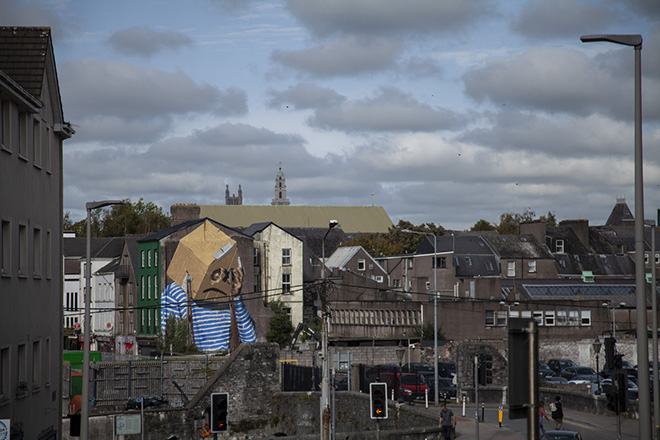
<point>635,41</point>
<point>400,351</point>
<point>597,344</point>
<point>435,309</point>
<point>613,308</point>
<point>325,398</point>
<point>84,414</point>
<point>508,306</point>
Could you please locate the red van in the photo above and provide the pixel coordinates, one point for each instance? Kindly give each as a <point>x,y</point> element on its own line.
<point>413,385</point>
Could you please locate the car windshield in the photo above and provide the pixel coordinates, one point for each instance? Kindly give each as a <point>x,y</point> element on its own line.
<point>445,382</point>
<point>585,370</point>
<point>567,363</point>
<point>410,379</point>
<point>421,367</point>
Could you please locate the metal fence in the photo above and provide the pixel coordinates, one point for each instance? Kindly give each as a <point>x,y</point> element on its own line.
<point>298,378</point>
<point>117,382</point>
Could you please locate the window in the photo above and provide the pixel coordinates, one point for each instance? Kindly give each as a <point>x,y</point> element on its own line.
<point>255,284</point>
<point>48,145</point>
<point>511,268</point>
<point>4,374</point>
<point>379,278</point>
<point>361,265</point>
<point>22,368</point>
<point>23,135</point>
<point>22,250</point>
<point>36,252</point>
<point>49,264</point>
<point>148,257</point>
<point>562,317</point>
<point>585,318</point>
<point>5,137</point>
<point>286,283</point>
<point>468,261</point>
<point>286,257</point>
<point>36,143</point>
<point>156,257</point>
<point>149,312</point>
<point>255,257</point>
<point>36,364</point>
<point>531,266</point>
<point>441,262</point>
<point>501,317</point>
<point>148,287</point>
<point>489,266</point>
<point>410,263</point>
<point>646,259</point>
<point>538,317</point>
<point>141,258</point>
<point>156,290</point>
<point>5,252</point>
<point>559,246</point>
<point>573,318</point>
<point>657,258</point>
<point>142,286</point>
<point>396,282</point>
<point>550,318</point>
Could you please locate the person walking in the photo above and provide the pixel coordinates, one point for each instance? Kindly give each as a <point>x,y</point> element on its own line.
<point>447,422</point>
<point>542,415</point>
<point>557,413</point>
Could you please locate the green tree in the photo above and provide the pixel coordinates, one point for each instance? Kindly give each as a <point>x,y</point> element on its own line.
<point>510,221</point>
<point>483,225</point>
<point>176,337</point>
<point>281,330</point>
<point>425,332</point>
<point>120,220</point>
<point>396,242</point>
<point>550,219</point>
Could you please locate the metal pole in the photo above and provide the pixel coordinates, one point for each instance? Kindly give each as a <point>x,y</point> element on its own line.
<point>325,400</point>
<point>654,318</point>
<point>435,318</point>
<point>476,395</point>
<point>84,413</point>
<point>533,410</point>
<point>640,282</point>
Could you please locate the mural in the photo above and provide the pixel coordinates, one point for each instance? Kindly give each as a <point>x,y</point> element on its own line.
<point>207,279</point>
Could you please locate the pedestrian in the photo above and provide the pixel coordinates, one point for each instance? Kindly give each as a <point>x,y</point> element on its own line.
<point>447,422</point>
<point>542,415</point>
<point>557,413</point>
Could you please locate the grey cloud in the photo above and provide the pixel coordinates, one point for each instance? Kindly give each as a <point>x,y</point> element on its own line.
<point>545,19</point>
<point>145,41</point>
<point>13,13</point>
<point>388,17</point>
<point>389,110</point>
<point>417,67</point>
<point>129,91</point>
<point>347,56</point>
<point>551,80</point>
<point>304,96</point>
<point>238,135</point>
<point>116,130</point>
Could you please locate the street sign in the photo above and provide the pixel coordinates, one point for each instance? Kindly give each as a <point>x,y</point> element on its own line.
<point>127,424</point>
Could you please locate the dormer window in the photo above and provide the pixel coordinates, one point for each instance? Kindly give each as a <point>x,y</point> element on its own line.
<point>559,246</point>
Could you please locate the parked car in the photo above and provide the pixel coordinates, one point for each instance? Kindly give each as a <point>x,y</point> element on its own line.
<point>446,388</point>
<point>585,374</point>
<point>373,373</point>
<point>416,367</point>
<point>561,435</point>
<point>554,379</point>
<point>545,370</point>
<point>446,369</point>
<point>413,385</point>
<point>147,401</point>
<point>633,390</point>
<point>631,370</point>
<point>557,365</point>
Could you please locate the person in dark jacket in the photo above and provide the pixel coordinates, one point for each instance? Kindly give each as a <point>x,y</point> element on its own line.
<point>557,413</point>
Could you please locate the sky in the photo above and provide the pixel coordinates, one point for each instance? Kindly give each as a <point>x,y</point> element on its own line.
<point>441,111</point>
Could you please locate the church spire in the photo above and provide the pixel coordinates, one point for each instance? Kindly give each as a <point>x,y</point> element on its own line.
<point>280,189</point>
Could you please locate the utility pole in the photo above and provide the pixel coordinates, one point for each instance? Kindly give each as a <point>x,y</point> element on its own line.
<point>325,316</point>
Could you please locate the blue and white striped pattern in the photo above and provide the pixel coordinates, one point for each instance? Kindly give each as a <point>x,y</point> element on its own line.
<point>211,321</point>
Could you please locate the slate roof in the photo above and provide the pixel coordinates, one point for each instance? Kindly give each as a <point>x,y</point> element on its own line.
<point>100,247</point>
<point>617,293</point>
<point>620,215</point>
<point>23,52</point>
<point>572,244</point>
<point>517,246</point>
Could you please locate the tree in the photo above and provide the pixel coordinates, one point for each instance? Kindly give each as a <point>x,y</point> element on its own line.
<point>175,337</point>
<point>550,219</point>
<point>396,242</point>
<point>281,330</point>
<point>510,221</point>
<point>425,332</point>
<point>483,225</point>
<point>120,220</point>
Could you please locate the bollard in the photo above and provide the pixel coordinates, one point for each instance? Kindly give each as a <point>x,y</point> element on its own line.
<point>499,414</point>
<point>483,411</point>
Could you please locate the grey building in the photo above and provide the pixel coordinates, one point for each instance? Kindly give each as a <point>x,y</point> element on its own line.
<point>32,129</point>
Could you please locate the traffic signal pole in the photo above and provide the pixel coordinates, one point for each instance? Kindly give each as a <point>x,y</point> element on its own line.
<point>476,396</point>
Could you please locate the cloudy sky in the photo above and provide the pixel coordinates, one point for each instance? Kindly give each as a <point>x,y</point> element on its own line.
<point>444,111</point>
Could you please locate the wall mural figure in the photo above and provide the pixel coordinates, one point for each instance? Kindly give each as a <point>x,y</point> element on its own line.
<point>206,290</point>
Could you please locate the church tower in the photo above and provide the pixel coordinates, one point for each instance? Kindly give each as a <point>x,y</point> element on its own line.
<point>233,200</point>
<point>280,189</point>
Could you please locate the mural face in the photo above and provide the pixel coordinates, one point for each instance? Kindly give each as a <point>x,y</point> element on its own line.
<point>208,278</point>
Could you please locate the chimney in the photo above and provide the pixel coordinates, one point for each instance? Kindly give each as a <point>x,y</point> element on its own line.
<point>581,229</point>
<point>184,212</point>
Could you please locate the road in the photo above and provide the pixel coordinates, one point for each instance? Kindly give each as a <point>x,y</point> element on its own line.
<point>590,426</point>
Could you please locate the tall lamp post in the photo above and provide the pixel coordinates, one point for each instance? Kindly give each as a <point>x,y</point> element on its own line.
<point>635,41</point>
<point>325,395</point>
<point>400,351</point>
<point>435,309</point>
<point>84,413</point>
<point>597,344</point>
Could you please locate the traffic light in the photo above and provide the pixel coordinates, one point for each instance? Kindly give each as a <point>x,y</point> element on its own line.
<point>485,369</point>
<point>378,398</point>
<point>618,361</point>
<point>609,353</point>
<point>219,407</point>
<point>611,401</point>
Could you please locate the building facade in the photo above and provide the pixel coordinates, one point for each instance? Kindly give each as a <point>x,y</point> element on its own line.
<point>32,129</point>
